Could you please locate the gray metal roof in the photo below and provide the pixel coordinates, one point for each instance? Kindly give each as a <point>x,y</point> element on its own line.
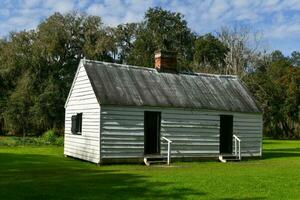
<point>125,85</point>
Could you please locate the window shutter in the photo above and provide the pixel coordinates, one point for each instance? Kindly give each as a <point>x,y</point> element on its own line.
<point>79,123</point>
<point>74,124</point>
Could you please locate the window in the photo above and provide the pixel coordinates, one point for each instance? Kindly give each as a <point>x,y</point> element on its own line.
<point>77,124</point>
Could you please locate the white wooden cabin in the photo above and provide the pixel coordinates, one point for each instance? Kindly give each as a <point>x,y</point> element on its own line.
<point>121,113</point>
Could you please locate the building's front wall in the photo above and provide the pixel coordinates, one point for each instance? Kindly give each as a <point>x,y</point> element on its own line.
<point>194,133</point>
<point>83,100</point>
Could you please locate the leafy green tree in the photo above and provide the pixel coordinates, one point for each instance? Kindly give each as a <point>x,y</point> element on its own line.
<point>165,30</point>
<point>3,88</point>
<point>125,36</point>
<point>63,41</point>
<point>15,57</point>
<point>18,106</point>
<point>210,53</point>
<point>38,67</point>
<point>295,58</point>
<point>277,56</point>
<point>277,87</point>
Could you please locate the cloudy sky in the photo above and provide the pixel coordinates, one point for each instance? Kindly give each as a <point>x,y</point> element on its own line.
<point>279,20</point>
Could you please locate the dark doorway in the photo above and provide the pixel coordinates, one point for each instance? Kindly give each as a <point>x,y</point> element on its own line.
<point>152,132</point>
<point>226,133</point>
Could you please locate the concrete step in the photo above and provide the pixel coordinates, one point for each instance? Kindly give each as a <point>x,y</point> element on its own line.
<point>157,162</point>
<point>150,160</point>
<point>228,158</point>
<point>233,160</point>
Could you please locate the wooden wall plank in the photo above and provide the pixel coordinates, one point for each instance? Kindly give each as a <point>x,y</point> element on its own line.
<point>194,133</point>
<point>83,100</point>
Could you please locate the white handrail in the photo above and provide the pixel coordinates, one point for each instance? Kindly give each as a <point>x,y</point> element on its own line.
<point>169,149</point>
<point>236,137</point>
<point>237,146</point>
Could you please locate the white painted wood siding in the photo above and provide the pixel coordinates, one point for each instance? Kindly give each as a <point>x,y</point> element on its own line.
<point>249,127</point>
<point>82,99</point>
<point>194,133</point>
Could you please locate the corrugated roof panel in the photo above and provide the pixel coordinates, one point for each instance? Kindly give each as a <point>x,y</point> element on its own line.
<point>116,84</point>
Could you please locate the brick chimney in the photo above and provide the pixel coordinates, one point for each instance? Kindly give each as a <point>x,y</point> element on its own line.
<point>166,61</point>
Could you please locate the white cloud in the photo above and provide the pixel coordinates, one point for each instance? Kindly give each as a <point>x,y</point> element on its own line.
<point>21,21</point>
<point>218,8</point>
<point>59,5</point>
<point>4,12</point>
<point>291,30</point>
<point>115,12</point>
<point>242,4</point>
<point>82,3</point>
<point>96,9</point>
<point>31,3</point>
<point>277,18</point>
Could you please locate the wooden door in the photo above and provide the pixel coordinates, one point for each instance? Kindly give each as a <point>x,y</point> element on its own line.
<point>226,134</point>
<point>152,122</point>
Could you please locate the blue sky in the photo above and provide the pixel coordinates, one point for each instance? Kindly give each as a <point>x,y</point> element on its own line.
<point>278,20</point>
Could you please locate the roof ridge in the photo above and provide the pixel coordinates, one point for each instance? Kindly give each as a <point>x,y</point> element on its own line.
<point>121,65</point>
<point>154,70</point>
<point>217,75</point>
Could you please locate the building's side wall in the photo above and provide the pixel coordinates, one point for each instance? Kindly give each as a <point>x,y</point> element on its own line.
<point>249,128</point>
<point>194,133</point>
<point>83,100</point>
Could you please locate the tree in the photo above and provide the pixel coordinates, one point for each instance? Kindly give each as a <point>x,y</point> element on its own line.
<point>277,87</point>
<point>295,58</point>
<point>39,66</point>
<point>277,56</point>
<point>165,30</point>
<point>15,56</point>
<point>125,36</point>
<point>17,112</point>
<point>3,87</point>
<point>210,54</point>
<point>244,49</point>
<point>63,41</point>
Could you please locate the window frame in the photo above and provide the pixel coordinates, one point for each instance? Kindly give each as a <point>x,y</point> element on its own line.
<point>79,126</point>
<point>76,120</point>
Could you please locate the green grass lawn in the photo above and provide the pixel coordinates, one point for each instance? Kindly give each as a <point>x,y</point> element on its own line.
<point>44,173</point>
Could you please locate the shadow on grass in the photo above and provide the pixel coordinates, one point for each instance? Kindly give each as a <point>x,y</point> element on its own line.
<point>246,198</point>
<point>31,176</point>
<point>279,153</point>
<point>270,142</point>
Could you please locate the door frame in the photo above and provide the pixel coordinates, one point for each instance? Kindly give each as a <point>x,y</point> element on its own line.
<point>158,134</point>
<point>226,138</point>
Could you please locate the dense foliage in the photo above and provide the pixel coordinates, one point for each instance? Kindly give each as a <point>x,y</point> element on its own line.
<point>48,138</point>
<point>37,69</point>
<point>37,66</point>
<point>276,85</point>
<point>210,54</point>
<point>160,29</point>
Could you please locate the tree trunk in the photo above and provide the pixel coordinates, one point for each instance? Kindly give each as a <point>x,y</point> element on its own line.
<point>24,134</point>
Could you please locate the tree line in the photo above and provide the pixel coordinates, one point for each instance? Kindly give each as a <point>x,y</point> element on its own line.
<point>37,66</point>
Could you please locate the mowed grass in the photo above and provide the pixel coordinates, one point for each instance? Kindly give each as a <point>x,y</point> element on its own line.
<point>44,173</point>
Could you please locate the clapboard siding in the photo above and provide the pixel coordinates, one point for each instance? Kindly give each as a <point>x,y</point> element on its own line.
<point>185,128</point>
<point>194,133</point>
<point>122,134</point>
<point>249,129</point>
<point>83,100</point>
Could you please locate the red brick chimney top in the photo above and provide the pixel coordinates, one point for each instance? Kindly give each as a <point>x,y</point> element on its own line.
<point>166,61</point>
